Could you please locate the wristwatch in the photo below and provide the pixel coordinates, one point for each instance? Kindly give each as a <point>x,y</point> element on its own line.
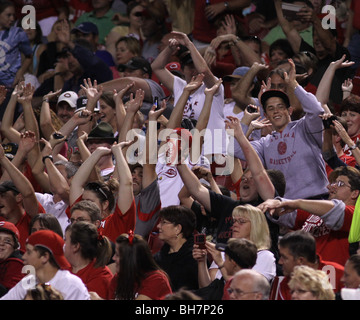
<point>47,157</point>
<point>353,147</point>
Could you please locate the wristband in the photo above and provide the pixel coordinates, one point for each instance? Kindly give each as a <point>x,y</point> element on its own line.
<point>57,74</point>
<point>353,147</point>
<point>47,157</point>
<point>46,100</point>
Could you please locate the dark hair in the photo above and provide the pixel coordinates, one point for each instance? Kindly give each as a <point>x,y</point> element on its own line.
<point>90,207</point>
<point>242,251</point>
<point>5,4</point>
<point>104,190</point>
<point>278,180</point>
<point>92,245</point>
<point>42,251</point>
<point>282,44</point>
<point>180,215</point>
<point>136,261</point>
<point>47,221</point>
<point>355,262</point>
<point>130,6</point>
<point>300,244</point>
<point>351,103</point>
<point>353,174</point>
<point>108,99</point>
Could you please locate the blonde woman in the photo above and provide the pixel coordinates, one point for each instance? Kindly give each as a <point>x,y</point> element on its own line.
<point>307,283</point>
<point>250,223</point>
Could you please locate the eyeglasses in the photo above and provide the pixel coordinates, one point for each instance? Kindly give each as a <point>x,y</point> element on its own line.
<point>163,221</point>
<point>239,292</point>
<point>340,184</point>
<point>240,221</point>
<point>72,220</point>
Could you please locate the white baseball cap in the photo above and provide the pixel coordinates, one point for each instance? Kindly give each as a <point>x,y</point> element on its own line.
<point>70,97</point>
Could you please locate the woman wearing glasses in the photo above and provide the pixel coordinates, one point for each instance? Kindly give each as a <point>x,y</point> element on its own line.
<point>116,203</point>
<point>248,223</point>
<point>176,227</point>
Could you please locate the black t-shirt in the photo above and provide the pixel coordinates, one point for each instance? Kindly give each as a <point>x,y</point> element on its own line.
<point>222,208</point>
<point>340,76</point>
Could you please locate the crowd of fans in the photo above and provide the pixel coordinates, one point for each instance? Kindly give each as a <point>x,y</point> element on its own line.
<point>180,150</point>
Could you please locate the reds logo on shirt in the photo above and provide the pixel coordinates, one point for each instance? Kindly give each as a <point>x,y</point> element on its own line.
<point>282,147</point>
<point>170,173</point>
<point>315,226</point>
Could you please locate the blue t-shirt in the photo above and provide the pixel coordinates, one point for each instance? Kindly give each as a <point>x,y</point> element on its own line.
<point>13,41</point>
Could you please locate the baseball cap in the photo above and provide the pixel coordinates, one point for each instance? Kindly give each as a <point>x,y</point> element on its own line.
<point>51,241</point>
<point>274,93</point>
<point>86,27</point>
<point>103,131</point>
<point>136,63</point>
<point>7,186</point>
<point>9,227</point>
<point>81,103</point>
<point>175,69</point>
<point>238,73</point>
<point>70,97</point>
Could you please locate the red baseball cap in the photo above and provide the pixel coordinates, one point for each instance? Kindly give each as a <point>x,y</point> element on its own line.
<point>53,242</point>
<point>10,228</point>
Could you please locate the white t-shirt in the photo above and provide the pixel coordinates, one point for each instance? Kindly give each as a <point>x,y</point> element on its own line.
<point>215,138</point>
<point>265,264</point>
<point>70,285</point>
<point>57,209</point>
<point>169,180</point>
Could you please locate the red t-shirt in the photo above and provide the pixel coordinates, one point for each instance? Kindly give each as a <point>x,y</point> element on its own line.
<point>96,279</point>
<point>330,244</point>
<point>23,226</point>
<point>349,160</point>
<point>203,30</point>
<point>155,286</point>
<point>116,223</point>
<point>11,272</point>
<point>280,286</point>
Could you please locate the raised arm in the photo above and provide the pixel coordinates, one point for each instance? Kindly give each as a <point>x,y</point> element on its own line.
<point>291,33</point>
<point>22,184</point>
<point>125,195</point>
<point>323,90</point>
<point>196,189</point>
<point>82,175</point>
<point>199,62</point>
<point>7,129</point>
<point>57,182</point>
<point>263,183</point>
<point>46,125</point>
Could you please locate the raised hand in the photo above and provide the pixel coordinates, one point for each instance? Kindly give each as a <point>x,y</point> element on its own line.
<point>27,94</point>
<point>93,92</point>
<point>134,104</point>
<point>155,114</point>
<point>233,123</point>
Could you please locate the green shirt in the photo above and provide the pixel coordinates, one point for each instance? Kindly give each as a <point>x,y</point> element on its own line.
<point>277,33</point>
<point>104,23</point>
